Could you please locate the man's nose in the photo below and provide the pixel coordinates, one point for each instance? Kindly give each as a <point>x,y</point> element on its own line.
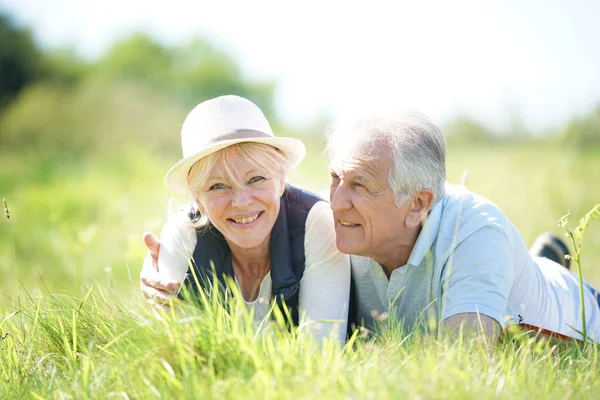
<point>339,198</point>
<point>242,198</point>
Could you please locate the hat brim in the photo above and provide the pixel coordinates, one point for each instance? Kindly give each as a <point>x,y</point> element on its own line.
<point>176,178</point>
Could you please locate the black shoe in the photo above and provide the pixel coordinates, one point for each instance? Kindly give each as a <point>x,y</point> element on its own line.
<point>552,247</point>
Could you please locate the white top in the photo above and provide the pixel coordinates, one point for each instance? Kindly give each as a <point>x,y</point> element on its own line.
<point>470,258</point>
<point>325,284</point>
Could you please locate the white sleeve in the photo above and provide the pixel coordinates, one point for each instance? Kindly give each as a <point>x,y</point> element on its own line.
<point>325,285</point>
<point>480,276</point>
<point>177,243</point>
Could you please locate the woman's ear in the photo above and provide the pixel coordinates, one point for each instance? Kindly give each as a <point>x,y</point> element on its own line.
<point>281,187</point>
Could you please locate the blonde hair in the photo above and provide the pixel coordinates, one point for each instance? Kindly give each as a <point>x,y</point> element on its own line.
<point>257,154</point>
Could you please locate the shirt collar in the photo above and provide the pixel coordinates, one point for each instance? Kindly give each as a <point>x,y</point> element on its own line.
<point>427,236</point>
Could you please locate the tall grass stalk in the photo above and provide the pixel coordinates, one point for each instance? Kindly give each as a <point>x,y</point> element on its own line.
<point>576,238</point>
<point>12,239</point>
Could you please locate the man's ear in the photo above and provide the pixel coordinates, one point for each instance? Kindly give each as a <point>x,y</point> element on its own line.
<point>419,207</point>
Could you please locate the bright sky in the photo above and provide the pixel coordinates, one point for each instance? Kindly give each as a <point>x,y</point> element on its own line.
<point>538,60</point>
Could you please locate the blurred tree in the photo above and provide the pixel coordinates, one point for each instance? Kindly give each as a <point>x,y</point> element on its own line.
<point>466,130</point>
<point>20,60</point>
<point>190,73</point>
<point>201,71</point>
<point>585,131</point>
<point>137,58</point>
<point>63,66</point>
<point>90,118</point>
<point>137,94</point>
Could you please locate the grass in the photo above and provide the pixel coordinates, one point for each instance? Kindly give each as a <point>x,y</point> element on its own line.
<point>74,325</point>
<point>96,347</point>
<point>576,238</point>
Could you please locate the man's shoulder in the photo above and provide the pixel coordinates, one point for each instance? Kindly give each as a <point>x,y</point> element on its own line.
<point>458,199</point>
<point>455,193</point>
<point>465,212</point>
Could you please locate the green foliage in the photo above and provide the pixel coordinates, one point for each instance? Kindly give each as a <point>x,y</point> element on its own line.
<point>93,346</point>
<point>63,66</point>
<point>577,233</point>
<point>19,59</point>
<point>138,93</point>
<point>75,222</point>
<point>576,237</point>
<point>466,130</point>
<point>91,118</point>
<point>579,133</point>
<point>584,131</point>
<point>189,74</point>
<point>137,58</point>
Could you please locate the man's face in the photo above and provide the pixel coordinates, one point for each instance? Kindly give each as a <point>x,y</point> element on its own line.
<point>367,220</point>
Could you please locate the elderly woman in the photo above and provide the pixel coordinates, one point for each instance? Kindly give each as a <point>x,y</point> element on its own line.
<point>276,241</point>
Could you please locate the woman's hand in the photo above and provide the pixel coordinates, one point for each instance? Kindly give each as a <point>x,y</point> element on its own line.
<point>156,289</point>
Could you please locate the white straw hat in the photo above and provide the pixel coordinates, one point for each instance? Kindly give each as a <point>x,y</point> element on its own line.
<point>220,122</point>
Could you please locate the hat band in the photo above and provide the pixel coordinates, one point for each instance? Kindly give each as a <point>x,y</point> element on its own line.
<point>239,134</point>
<point>243,134</point>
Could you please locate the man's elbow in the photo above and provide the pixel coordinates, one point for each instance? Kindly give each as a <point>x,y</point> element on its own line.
<point>472,323</point>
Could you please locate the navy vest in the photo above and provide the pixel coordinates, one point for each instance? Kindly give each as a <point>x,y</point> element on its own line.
<point>286,251</point>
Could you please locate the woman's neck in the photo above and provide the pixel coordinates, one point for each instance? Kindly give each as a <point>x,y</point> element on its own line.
<point>250,267</point>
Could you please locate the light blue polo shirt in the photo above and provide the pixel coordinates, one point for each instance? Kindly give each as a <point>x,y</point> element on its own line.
<point>469,258</point>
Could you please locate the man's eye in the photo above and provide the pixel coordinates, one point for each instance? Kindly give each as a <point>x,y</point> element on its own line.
<point>217,186</point>
<point>256,179</point>
<point>334,176</point>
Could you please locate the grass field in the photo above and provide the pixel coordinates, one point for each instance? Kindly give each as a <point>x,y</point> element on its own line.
<point>75,326</point>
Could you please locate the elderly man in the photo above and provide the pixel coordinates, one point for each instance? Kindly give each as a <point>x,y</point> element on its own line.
<point>426,253</point>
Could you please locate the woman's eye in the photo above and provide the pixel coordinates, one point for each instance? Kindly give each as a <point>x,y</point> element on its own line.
<point>334,176</point>
<point>255,179</point>
<point>217,186</point>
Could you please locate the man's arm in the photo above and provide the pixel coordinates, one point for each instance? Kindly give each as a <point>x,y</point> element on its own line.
<point>155,288</point>
<point>473,323</point>
<point>477,283</point>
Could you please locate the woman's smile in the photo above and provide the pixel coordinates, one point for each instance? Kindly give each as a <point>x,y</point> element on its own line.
<point>247,221</point>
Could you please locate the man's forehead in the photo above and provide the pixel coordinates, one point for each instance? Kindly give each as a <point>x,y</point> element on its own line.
<point>365,154</point>
<point>368,167</point>
<point>362,143</point>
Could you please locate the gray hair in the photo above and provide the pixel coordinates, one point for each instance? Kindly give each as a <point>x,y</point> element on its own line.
<point>418,149</point>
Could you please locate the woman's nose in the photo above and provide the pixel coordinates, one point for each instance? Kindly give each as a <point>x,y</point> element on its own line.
<point>241,198</point>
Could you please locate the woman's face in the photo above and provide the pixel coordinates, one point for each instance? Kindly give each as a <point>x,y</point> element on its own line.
<point>245,205</point>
